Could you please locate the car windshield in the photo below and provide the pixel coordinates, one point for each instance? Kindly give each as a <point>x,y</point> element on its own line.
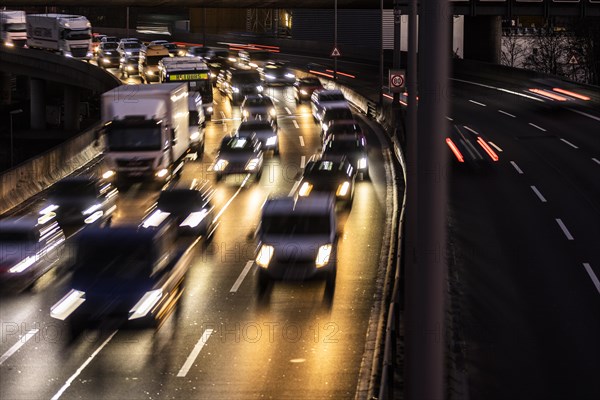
<point>290,225</point>
<point>252,127</point>
<point>118,260</point>
<point>15,235</point>
<point>82,34</point>
<point>16,28</point>
<point>337,113</point>
<point>310,82</point>
<point>153,60</point>
<point>257,101</point>
<point>246,78</point>
<point>332,97</point>
<point>170,46</point>
<point>131,45</point>
<point>237,145</point>
<point>342,146</point>
<point>323,170</point>
<point>109,46</point>
<point>179,200</point>
<point>134,138</point>
<point>343,128</point>
<point>73,189</point>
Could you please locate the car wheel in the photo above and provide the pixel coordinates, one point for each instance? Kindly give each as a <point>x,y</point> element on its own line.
<point>276,151</point>
<point>364,176</point>
<point>262,283</point>
<point>258,176</point>
<point>218,177</point>
<point>330,282</point>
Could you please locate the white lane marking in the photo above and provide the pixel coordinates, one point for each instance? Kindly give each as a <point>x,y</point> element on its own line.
<point>222,114</point>
<point>537,127</point>
<point>222,210</point>
<point>478,103</point>
<point>569,143</point>
<point>539,195</point>
<point>294,188</point>
<point>564,229</point>
<point>585,114</point>
<point>301,141</point>
<point>449,119</point>
<point>497,88</point>
<point>82,367</point>
<point>302,161</point>
<point>192,357</point>
<point>15,347</point>
<point>596,160</point>
<point>240,278</point>
<point>506,113</point>
<point>287,110</point>
<point>296,124</point>
<point>471,130</point>
<point>592,275</point>
<point>514,164</point>
<point>494,145</point>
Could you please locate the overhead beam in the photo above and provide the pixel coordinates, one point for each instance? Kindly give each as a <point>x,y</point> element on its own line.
<point>204,3</point>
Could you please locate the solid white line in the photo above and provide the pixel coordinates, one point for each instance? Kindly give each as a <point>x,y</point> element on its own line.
<point>478,103</point>
<point>497,88</point>
<point>539,195</point>
<point>471,130</point>
<point>564,229</point>
<point>80,369</point>
<point>302,161</point>
<point>569,143</point>
<point>505,113</point>
<point>15,347</point>
<point>596,160</point>
<point>538,127</point>
<point>585,114</point>
<point>287,110</point>
<point>494,145</point>
<point>514,164</point>
<point>593,276</point>
<point>301,141</point>
<point>296,124</point>
<point>192,357</point>
<point>294,188</point>
<point>240,278</point>
<point>222,210</point>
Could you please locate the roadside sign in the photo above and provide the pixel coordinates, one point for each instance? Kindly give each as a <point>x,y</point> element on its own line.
<point>336,52</point>
<point>573,60</point>
<point>397,80</point>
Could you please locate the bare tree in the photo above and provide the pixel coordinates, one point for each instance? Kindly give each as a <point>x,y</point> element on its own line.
<point>513,50</point>
<point>550,52</point>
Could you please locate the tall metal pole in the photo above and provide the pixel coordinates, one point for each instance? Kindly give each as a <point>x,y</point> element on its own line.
<point>397,47</point>
<point>204,27</point>
<point>127,22</point>
<point>381,58</point>
<point>335,67</point>
<point>12,161</point>
<point>426,277</point>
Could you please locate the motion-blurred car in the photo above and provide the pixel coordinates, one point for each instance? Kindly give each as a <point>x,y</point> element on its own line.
<point>241,83</point>
<point>304,88</point>
<point>129,64</point>
<point>108,56</point>
<point>278,74</point>
<point>172,47</point>
<point>297,240</point>
<point>354,147</point>
<point>190,206</point>
<point>342,127</point>
<point>470,148</point>
<point>124,275</point>
<point>239,155</point>
<point>81,200</point>
<point>29,247</point>
<point>264,130</point>
<point>258,105</point>
<point>326,98</point>
<point>128,47</point>
<point>334,114</point>
<point>330,176</point>
<point>106,39</point>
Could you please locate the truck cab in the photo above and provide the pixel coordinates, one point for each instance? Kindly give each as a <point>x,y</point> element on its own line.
<point>69,35</point>
<point>13,29</point>
<point>148,63</point>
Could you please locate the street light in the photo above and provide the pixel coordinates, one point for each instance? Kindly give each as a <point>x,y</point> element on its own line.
<point>13,112</point>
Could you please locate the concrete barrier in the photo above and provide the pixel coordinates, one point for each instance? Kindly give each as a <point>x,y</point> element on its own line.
<point>31,177</point>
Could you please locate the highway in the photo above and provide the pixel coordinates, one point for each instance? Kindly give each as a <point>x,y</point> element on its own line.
<point>225,341</point>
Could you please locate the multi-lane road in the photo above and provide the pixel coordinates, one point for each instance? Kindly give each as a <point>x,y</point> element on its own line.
<point>225,341</point>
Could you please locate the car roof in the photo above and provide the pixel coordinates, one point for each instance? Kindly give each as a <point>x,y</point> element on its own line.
<point>325,164</point>
<point>317,204</point>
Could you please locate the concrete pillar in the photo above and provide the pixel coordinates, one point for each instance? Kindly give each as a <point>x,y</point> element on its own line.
<point>37,98</point>
<point>483,36</point>
<point>5,91</point>
<point>71,104</point>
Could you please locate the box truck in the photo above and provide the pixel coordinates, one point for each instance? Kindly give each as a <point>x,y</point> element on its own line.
<point>69,35</point>
<point>13,31</point>
<point>146,131</point>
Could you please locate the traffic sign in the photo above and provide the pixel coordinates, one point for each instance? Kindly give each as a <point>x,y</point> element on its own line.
<point>573,60</point>
<point>397,80</point>
<point>336,52</point>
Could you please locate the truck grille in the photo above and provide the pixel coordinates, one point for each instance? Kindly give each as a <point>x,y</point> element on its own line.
<point>138,163</point>
<point>79,52</point>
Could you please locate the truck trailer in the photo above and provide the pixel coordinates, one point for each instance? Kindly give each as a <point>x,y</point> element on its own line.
<point>69,35</point>
<point>146,131</point>
<point>13,31</point>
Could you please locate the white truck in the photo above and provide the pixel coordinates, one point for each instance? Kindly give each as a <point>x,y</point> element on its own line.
<point>146,132</point>
<point>13,31</point>
<point>69,35</point>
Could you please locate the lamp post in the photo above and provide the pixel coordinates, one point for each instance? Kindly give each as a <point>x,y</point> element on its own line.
<point>335,44</point>
<point>13,112</point>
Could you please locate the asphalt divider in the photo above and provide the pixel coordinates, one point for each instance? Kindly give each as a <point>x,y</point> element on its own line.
<point>26,180</point>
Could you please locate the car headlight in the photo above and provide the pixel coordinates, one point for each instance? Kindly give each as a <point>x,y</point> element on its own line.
<point>128,53</point>
<point>22,265</point>
<point>68,54</point>
<point>194,136</point>
<point>220,165</point>
<point>94,217</point>
<point>290,75</point>
<point>130,68</point>
<point>146,304</point>
<point>108,53</point>
<point>162,173</point>
<point>272,112</point>
<point>122,59</point>
<point>209,109</point>
<point>91,209</point>
<point>150,72</point>
<point>324,127</point>
<point>49,209</point>
<point>269,76</point>
<point>271,141</point>
<point>265,253</point>
<point>106,60</point>
<point>304,92</point>
<point>323,255</point>
<point>245,113</point>
<point>305,189</point>
<point>182,53</point>
<point>194,219</point>
<point>9,44</point>
<point>362,163</point>
<point>108,174</point>
<point>343,189</point>
<point>252,164</point>
<point>235,90</point>
<point>259,88</point>
<point>232,59</point>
